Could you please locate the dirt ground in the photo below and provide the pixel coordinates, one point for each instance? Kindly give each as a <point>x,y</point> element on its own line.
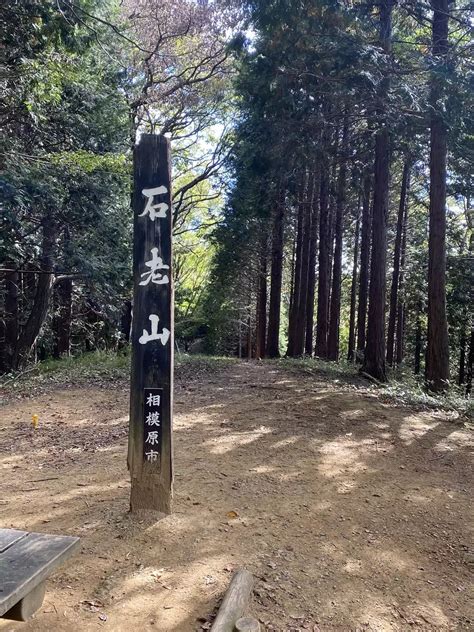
<point>353,514</point>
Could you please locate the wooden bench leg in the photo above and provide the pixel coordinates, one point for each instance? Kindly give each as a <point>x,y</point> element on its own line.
<point>27,606</point>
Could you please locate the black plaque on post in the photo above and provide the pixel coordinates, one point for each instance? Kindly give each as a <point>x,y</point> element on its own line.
<point>152,400</point>
<point>150,448</point>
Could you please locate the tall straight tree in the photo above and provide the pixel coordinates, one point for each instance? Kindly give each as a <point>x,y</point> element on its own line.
<point>418,340</point>
<point>335,309</point>
<point>323,276</point>
<point>9,321</point>
<point>261,310</point>
<point>365,240</point>
<point>276,275</point>
<point>394,289</point>
<point>332,221</point>
<point>300,340</point>
<point>400,339</point>
<point>374,357</point>
<point>293,332</point>
<point>462,351</point>
<point>352,309</point>
<point>437,352</point>
<point>313,247</point>
<point>470,363</point>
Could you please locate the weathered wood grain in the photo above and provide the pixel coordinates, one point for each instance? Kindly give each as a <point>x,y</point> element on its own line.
<point>247,624</point>
<point>152,363</point>
<point>235,602</point>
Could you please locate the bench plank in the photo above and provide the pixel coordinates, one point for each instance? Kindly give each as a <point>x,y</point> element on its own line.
<point>28,562</point>
<point>9,537</point>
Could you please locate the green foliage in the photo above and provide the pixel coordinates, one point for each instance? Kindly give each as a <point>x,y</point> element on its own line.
<point>66,160</point>
<point>404,388</point>
<point>306,66</point>
<point>89,162</point>
<point>80,79</point>
<point>408,390</point>
<point>99,368</point>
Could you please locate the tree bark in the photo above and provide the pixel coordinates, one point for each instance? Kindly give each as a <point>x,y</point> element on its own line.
<point>299,346</point>
<point>400,340</point>
<point>292,277</point>
<point>335,309</point>
<point>239,351</point>
<point>296,293</point>
<point>470,362</point>
<point>374,357</point>
<point>417,364</point>
<point>352,309</point>
<point>125,322</point>
<point>261,327</point>
<point>42,299</point>
<point>62,295</point>
<point>365,240</point>
<point>9,320</point>
<point>462,355</point>
<point>63,319</point>
<point>313,249</point>
<point>323,265</point>
<point>392,319</point>
<point>249,334</point>
<point>332,227</point>
<point>276,273</point>
<point>437,353</point>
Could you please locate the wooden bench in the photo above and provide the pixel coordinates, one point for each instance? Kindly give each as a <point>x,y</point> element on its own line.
<point>26,560</point>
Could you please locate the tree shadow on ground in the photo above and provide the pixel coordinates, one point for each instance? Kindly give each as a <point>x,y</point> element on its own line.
<point>351,513</point>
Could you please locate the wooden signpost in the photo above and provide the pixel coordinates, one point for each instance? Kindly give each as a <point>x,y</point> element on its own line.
<point>150,446</point>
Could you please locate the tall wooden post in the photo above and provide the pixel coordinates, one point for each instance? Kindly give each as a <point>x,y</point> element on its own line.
<point>150,448</point>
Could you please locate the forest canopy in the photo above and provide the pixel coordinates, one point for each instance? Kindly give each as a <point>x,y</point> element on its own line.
<point>322,178</point>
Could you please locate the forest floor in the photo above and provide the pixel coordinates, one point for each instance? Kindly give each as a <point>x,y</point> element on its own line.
<point>354,513</point>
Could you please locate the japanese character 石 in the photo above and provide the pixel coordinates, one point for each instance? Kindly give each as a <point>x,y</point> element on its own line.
<point>155,210</point>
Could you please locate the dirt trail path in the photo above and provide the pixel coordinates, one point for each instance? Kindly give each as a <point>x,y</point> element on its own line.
<point>354,515</point>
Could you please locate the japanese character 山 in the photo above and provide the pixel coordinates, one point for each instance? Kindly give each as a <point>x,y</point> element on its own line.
<point>154,335</point>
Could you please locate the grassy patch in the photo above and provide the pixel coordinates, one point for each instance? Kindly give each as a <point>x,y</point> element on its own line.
<point>321,368</point>
<point>403,388</point>
<point>86,365</point>
<point>192,367</point>
<point>99,368</point>
<point>408,389</point>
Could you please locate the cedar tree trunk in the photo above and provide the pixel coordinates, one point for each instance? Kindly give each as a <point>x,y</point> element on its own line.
<point>437,353</point>
<point>396,263</point>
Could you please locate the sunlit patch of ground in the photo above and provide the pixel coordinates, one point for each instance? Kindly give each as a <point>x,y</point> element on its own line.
<point>352,514</point>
